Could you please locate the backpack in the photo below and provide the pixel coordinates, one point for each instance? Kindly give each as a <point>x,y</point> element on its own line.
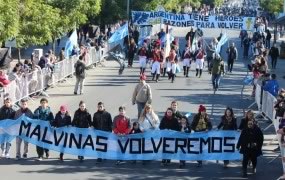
<point>79,70</point>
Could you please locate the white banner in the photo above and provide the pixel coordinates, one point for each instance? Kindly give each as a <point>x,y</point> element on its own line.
<point>188,20</point>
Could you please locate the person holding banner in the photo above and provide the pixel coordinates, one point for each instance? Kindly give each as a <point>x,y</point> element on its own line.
<point>81,119</point>
<point>228,122</point>
<point>174,107</point>
<point>62,119</point>
<point>24,110</point>
<point>250,144</point>
<point>6,112</point>
<point>148,119</point>
<point>201,122</point>
<point>43,113</point>
<point>121,125</point>
<point>171,123</point>
<point>249,116</point>
<point>185,128</point>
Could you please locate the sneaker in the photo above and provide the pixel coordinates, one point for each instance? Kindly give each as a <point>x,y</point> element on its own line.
<point>7,156</point>
<point>61,158</point>
<point>47,155</point>
<point>75,93</point>
<point>254,170</point>
<point>99,160</point>
<point>25,156</point>
<point>199,165</point>
<point>120,162</point>
<point>17,158</point>
<point>40,159</point>
<point>3,155</point>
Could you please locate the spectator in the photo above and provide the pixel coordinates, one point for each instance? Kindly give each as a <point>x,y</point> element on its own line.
<point>61,54</point>
<point>249,116</point>
<point>6,112</point>
<point>272,86</point>
<point>148,119</point>
<point>274,54</point>
<point>185,128</point>
<point>4,81</point>
<point>43,113</point>
<point>24,110</point>
<point>268,38</point>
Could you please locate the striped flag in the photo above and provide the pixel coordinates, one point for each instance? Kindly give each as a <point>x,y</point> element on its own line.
<point>222,41</point>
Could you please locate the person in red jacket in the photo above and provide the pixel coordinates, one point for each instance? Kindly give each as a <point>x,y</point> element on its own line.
<point>121,125</point>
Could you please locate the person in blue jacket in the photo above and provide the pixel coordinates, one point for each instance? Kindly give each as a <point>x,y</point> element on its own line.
<point>272,86</point>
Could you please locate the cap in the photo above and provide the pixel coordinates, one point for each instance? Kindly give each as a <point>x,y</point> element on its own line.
<point>63,108</point>
<point>202,108</point>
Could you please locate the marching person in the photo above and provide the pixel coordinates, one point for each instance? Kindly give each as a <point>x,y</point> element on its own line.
<point>62,119</point>
<point>102,120</point>
<point>43,113</point>
<point>171,123</point>
<point>217,68</point>
<point>121,125</point>
<point>24,110</point>
<point>157,57</point>
<point>250,144</point>
<point>143,55</point>
<point>185,128</point>
<point>131,52</point>
<point>228,122</point>
<point>81,119</point>
<point>80,73</point>
<point>249,116</point>
<point>232,56</point>
<point>187,57</point>
<point>6,112</point>
<point>171,64</point>
<point>148,119</point>
<point>142,94</point>
<point>201,122</point>
<point>200,54</point>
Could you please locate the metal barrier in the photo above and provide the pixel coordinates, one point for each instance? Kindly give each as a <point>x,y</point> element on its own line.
<point>40,79</point>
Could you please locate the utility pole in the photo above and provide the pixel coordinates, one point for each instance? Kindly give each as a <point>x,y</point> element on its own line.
<point>128,10</point>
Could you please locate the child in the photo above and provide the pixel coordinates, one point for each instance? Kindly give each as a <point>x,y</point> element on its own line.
<point>184,127</point>
<point>62,119</point>
<point>121,125</point>
<point>136,129</point>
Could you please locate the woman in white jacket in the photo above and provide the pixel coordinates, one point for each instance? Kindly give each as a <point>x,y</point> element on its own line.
<point>148,119</point>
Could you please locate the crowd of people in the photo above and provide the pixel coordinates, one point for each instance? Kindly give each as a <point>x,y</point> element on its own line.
<point>147,120</point>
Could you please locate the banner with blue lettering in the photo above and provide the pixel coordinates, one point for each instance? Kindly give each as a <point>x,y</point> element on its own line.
<point>196,20</point>
<point>164,144</point>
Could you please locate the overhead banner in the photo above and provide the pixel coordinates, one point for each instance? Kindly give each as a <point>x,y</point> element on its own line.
<point>164,144</point>
<point>195,20</point>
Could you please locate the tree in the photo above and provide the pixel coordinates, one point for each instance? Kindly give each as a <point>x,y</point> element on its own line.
<point>36,23</point>
<point>272,6</point>
<point>9,19</point>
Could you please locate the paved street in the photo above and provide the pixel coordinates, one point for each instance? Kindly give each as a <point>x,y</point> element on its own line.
<point>104,84</point>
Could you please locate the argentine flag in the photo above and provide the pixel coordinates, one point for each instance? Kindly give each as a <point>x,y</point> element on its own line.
<point>72,41</point>
<point>119,34</point>
<point>222,41</point>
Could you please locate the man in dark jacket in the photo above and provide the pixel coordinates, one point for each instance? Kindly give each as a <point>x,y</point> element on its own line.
<point>24,110</point>
<point>6,112</point>
<point>274,54</point>
<point>102,120</point>
<point>43,113</point>
<point>250,144</point>
<point>232,56</point>
<point>217,68</point>
<point>80,73</point>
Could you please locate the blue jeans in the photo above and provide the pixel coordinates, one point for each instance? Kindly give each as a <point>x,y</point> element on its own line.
<point>216,80</point>
<point>140,106</point>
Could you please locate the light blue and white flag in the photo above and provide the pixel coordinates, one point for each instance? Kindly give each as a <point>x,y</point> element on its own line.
<point>119,34</point>
<point>71,42</point>
<point>222,41</point>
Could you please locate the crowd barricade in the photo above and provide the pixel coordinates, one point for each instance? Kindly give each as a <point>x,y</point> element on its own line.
<point>40,79</point>
<point>258,91</point>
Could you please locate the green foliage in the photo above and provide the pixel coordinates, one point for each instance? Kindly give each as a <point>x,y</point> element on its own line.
<point>273,6</point>
<point>9,19</point>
